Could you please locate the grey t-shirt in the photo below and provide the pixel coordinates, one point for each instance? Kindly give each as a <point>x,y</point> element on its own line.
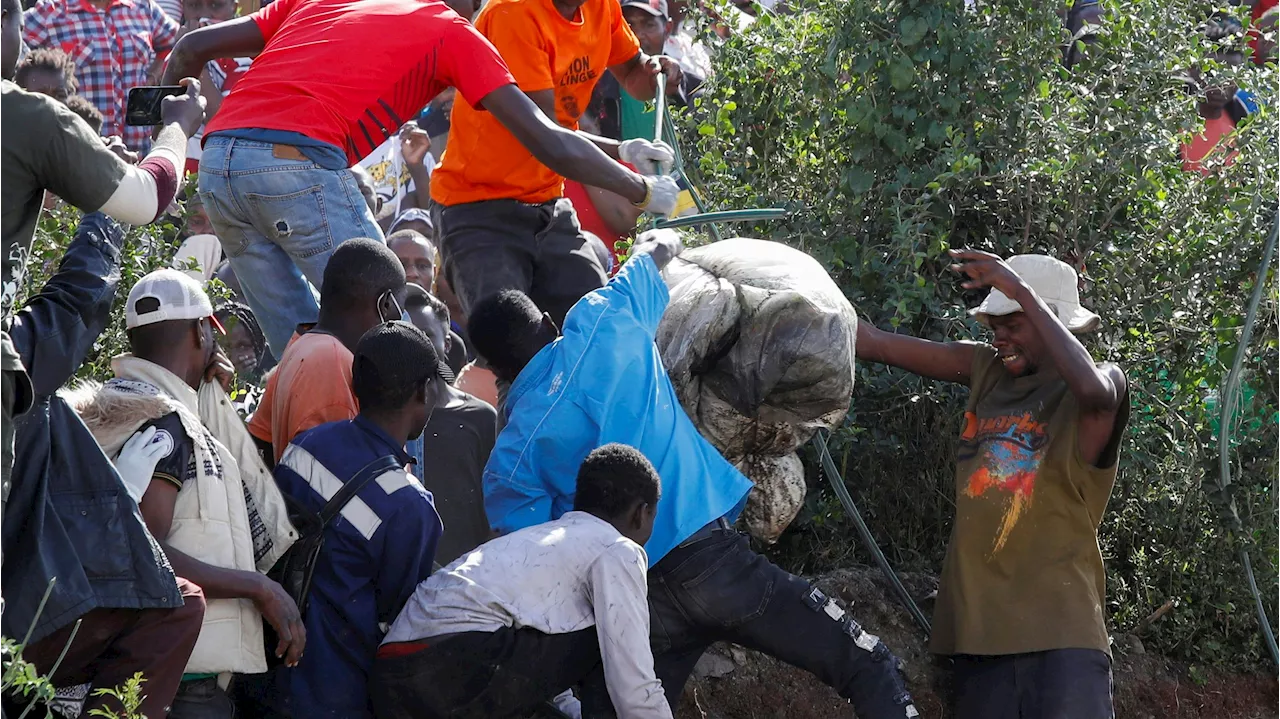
<point>44,146</point>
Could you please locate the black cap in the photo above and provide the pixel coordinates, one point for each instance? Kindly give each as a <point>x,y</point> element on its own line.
<point>398,351</point>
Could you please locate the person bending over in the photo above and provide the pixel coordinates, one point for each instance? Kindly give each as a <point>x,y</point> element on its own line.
<point>504,222</point>
<point>602,381</point>
<point>536,612</point>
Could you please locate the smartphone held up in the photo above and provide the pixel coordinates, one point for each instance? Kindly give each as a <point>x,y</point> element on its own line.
<point>143,107</point>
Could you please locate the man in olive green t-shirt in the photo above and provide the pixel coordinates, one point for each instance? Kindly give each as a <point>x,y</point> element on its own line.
<point>1020,605</point>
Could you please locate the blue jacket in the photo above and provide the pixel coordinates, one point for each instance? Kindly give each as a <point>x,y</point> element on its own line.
<point>373,557</point>
<point>68,515</point>
<point>603,381</point>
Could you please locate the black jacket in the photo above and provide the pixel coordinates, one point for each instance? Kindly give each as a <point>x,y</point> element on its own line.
<point>68,516</point>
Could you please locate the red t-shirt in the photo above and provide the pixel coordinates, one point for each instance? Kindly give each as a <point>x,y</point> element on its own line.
<point>350,73</point>
<point>1259,10</point>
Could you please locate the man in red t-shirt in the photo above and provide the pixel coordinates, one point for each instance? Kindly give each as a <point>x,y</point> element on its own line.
<point>330,81</point>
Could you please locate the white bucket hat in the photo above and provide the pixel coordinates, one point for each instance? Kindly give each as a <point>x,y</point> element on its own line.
<point>1054,281</point>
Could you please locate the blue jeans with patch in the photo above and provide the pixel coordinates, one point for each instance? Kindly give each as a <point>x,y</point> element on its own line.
<point>279,219</point>
<point>714,587</point>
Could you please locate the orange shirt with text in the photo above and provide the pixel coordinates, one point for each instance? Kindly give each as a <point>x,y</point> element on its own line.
<point>544,51</point>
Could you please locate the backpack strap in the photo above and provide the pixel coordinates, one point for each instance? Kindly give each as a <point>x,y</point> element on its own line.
<point>351,487</point>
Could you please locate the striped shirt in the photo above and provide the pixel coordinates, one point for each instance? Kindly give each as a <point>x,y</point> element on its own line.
<point>373,557</point>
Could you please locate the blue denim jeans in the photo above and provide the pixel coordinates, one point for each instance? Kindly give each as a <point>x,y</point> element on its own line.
<point>279,220</point>
<point>714,587</point>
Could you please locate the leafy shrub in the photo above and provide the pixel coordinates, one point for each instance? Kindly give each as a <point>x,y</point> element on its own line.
<point>145,249</point>
<point>899,128</point>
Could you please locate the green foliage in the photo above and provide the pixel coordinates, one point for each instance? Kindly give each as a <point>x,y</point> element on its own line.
<point>129,696</point>
<point>146,249</point>
<point>20,676</point>
<point>897,129</point>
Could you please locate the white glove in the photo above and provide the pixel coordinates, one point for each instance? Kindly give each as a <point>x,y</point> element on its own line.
<point>138,459</point>
<point>650,158</point>
<point>662,245</point>
<point>663,193</point>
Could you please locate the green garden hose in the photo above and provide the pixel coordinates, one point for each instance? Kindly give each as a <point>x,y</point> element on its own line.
<point>864,533</point>
<point>1230,402</point>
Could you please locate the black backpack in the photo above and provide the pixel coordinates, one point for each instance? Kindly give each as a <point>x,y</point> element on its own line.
<point>296,567</point>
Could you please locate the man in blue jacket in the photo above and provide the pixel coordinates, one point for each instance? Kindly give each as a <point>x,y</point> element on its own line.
<point>69,517</point>
<point>384,540</point>
<point>603,381</point>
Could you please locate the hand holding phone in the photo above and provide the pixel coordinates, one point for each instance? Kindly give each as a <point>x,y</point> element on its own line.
<point>163,104</point>
<point>143,107</point>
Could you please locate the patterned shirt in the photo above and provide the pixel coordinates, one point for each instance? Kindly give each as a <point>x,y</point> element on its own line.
<point>113,49</point>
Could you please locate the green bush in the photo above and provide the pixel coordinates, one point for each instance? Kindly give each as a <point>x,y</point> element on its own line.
<point>145,249</point>
<point>899,128</point>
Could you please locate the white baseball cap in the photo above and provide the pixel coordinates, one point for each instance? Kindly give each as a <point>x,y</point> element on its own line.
<point>179,297</point>
<point>1054,281</point>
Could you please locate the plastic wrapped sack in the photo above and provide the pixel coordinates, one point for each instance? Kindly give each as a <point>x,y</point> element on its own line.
<point>759,343</point>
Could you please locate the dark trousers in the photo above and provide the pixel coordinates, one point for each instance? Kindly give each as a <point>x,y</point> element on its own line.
<point>114,644</point>
<point>490,675</point>
<point>713,587</point>
<point>202,699</point>
<point>8,390</point>
<point>1055,684</point>
<point>499,245</point>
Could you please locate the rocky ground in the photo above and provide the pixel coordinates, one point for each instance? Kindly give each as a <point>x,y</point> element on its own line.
<point>735,683</point>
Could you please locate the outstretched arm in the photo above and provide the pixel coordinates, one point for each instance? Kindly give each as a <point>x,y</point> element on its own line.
<point>241,37</point>
<point>946,361</point>
<point>564,151</point>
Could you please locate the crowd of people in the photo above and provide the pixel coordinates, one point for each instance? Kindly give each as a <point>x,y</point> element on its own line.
<point>456,480</point>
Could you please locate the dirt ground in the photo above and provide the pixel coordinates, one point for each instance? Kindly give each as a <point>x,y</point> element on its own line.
<point>736,683</point>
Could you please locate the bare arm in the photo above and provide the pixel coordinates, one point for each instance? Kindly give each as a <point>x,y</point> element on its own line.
<point>638,76</point>
<point>1100,391</point>
<point>546,101</point>
<point>234,38</point>
<point>276,605</point>
<point>567,153</point>
<point>616,212</point>
<point>946,361</point>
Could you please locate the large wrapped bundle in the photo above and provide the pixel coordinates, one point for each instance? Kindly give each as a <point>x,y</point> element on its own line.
<point>759,343</point>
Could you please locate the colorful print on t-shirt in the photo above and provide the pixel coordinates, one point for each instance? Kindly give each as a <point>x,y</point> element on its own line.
<point>1012,447</point>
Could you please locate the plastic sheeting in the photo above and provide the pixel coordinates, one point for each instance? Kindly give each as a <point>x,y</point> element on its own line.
<point>759,343</point>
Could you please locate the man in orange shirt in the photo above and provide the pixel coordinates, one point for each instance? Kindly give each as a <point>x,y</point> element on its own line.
<point>363,287</point>
<point>504,220</point>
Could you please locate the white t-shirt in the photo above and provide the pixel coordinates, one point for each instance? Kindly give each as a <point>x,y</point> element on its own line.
<point>558,577</point>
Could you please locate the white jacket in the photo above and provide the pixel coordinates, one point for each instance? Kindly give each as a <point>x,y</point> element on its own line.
<point>210,519</point>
